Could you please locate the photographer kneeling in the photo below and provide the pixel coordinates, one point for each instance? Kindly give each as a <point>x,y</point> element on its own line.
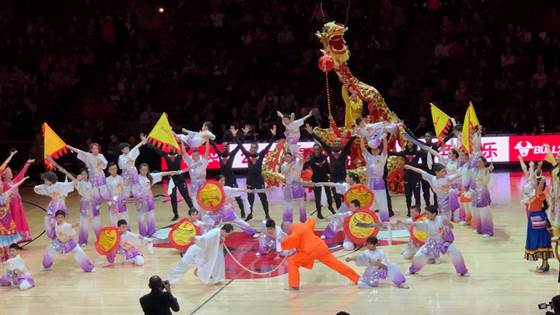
<point>158,302</point>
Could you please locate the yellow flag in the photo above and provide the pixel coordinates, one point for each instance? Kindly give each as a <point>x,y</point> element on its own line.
<point>53,145</point>
<point>353,108</point>
<point>441,120</point>
<point>162,135</point>
<point>470,122</point>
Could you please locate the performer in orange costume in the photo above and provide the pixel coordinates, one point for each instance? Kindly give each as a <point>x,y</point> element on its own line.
<point>309,247</point>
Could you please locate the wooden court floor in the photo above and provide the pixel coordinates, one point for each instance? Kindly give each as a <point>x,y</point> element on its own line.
<point>501,281</point>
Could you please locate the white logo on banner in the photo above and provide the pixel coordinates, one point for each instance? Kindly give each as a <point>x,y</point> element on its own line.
<point>523,147</point>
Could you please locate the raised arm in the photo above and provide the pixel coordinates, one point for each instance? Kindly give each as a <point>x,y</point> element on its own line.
<point>61,169</point>
<point>267,148</point>
<point>364,149</point>
<point>217,150</point>
<point>5,164</point>
<point>348,146</point>
<point>206,150</point>
<point>385,145</point>
<point>134,152</point>
<point>325,146</point>
<point>21,173</point>
<point>242,148</point>
<point>8,192</point>
<point>415,169</point>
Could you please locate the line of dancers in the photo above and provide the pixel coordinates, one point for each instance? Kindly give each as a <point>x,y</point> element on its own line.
<point>460,184</point>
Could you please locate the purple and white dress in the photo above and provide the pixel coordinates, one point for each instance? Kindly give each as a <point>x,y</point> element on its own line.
<point>293,190</point>
<point>441,187</point>
<point>195,139</point>
<point>197,172</point>
<point>129,248</point>
<point>373,274</point>
<point>146,206</point>
<point>374,132</point>
<point>87,211</point>
<point>293,134</point>
<point>65,243</point>
<point>454,189</point>
<point>58,193</point>
<point>440,242</point>
<point>375,167</point>
<point>227,213</point>
<point>130,173</point>
<point>117,203</point>
<point>16,273</point>
<point>481,201</point>
<point>96,165</point>
<point>336,221</point>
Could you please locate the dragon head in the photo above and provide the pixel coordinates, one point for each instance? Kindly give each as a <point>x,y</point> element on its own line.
<point>334,45</point>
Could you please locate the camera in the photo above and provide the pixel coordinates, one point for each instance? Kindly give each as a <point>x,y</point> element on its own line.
<point>544,306</point>
<point>166,283</point>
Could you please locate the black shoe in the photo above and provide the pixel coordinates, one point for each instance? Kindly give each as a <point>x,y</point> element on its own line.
<point>242,215</point>
<point>320,216</point>
<point>175,218</point>
<point>249,217</point>
<point>332,210</point>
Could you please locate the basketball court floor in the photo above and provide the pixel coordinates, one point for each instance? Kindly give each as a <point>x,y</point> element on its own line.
<point>501,281</point>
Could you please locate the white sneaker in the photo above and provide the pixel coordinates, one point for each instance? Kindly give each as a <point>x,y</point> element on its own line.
<point>486,235</point>
<point>403,286</point>
<point>466,274</point>
<point>463,223</point>
<point>408,273</point>
<point>256,235</point>
<point>323,237</point>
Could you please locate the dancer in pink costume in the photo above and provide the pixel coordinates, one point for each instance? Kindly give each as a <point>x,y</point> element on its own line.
<point>16,206</point>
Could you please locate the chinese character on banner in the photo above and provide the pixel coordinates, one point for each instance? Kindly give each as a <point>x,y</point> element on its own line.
<point>490,150</point>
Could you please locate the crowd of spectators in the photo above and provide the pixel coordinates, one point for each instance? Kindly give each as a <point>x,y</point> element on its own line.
<point>103,71</point>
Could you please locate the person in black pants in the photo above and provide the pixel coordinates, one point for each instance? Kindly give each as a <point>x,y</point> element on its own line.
<point>411,156</point>
<point>321,169</point>
<point>226,168</point>
<point>174,160</point>
<point>338,157</point>
<point>255,180</point>
<point>158,301</point>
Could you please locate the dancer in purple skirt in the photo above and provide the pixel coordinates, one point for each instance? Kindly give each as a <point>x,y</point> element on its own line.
<point>146,206</point>
<point>58,192</point>
<point>129,247</point>
<point>227,213</point>
<point>293,133</point>
<point>126,163</point>
<point>440,242</point>
<point>117,205</point>
<point>481,197</point>
<point>96,164</point>
<point>65,243</point>
<point>87,211</point>
<point>378,267</point>
<point>293,189</point>
<point>15,272</point>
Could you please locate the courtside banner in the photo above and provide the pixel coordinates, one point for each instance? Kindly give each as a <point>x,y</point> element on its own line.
<point>532,148</point>
<point>498,149</point>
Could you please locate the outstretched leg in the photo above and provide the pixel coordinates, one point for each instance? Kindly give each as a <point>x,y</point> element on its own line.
<point>332,262</point>
<point>82,259</point>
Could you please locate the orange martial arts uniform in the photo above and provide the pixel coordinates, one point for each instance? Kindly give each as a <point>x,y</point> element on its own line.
<point>310,247</point>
